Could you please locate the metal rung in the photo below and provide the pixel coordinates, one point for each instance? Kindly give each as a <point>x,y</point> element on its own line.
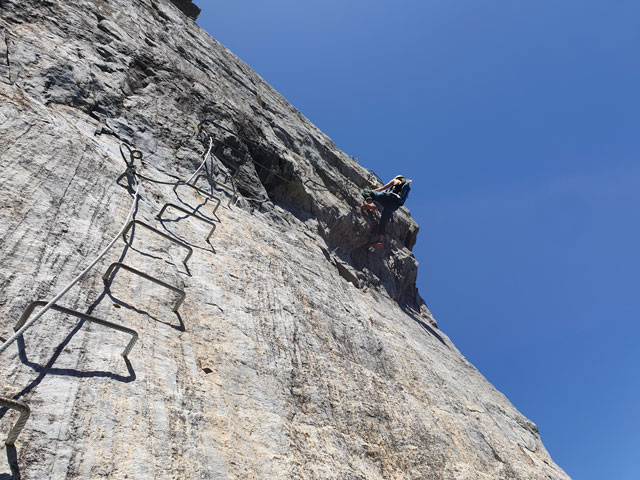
<point>201,192</point>
<point>24,410</point>
<point>234,194</point>
<point>32,306</point>
<point>163,235</point>
<point>113,266</point>
<point>227,176</point>
<point>191,214</point>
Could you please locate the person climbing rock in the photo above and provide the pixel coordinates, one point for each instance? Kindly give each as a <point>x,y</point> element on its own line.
<point>391,197</point>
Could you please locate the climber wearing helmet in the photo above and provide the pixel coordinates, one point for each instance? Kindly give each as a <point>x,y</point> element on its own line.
<point>391,196</point>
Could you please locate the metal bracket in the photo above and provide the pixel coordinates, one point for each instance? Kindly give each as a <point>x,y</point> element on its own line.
<point>134,155</point>
<point>231,177</point>
<point>24,410</point>
<point>113,266</point>
<point>201,192</point>
<point>227,175</point>
<point>234,194</point>
<point>158,232</point>
<point>191,214</point>
<point>40,303</point>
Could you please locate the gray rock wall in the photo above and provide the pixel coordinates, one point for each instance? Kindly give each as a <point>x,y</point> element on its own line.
<point>188,8</point>
<point>295,353</point>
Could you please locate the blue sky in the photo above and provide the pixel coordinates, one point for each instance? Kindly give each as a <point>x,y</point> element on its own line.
<point>519,122</point>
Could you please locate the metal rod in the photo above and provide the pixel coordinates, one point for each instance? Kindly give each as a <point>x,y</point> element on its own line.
<point>114,265</point>
<point>191,214</point>
<point>201,192</point>
<point>40,303</point>
<point>158,232</point>
<point>217,183</point>
<point>234,196</point>
<point>227,176</point>
<point>24,410</point>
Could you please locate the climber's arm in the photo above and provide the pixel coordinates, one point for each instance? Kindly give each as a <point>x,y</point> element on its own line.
<point>392,182</point>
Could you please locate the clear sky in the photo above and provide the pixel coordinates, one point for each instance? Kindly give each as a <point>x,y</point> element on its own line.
<point>519,122</point>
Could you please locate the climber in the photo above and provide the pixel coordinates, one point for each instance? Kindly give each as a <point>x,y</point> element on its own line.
<point>391,196</point>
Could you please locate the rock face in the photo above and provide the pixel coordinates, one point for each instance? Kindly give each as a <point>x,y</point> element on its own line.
<point>188,8</point>
<point>295,353</point>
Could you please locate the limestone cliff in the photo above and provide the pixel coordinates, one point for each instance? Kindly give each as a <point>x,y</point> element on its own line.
<point>295,354</point>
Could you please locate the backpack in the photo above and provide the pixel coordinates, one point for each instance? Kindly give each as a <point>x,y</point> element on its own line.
<point>404,193</point>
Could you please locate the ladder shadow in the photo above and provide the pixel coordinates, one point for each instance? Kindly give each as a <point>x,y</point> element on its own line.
<point>72,372</point>
<point>120,303</point>
<point>198,209</point>
<point>12,460</point>
<point>129,243</point>
<point>47,369</point>
<point>43,371</point>
<point>106,292</point>
<point>162,221</point>
<point>216,188</point>
<point>130,186</point>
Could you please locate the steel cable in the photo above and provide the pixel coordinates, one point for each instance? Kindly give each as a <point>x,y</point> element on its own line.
<point>204,160</point>
<point>318,186</point>
<point>135,154</point>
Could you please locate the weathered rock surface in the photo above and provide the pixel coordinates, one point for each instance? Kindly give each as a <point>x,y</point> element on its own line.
<point>294,355</point>
<point>188,8</point>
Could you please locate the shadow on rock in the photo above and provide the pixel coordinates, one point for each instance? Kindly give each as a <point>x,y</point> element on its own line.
<point>71,372</point>
<point>425,326</point>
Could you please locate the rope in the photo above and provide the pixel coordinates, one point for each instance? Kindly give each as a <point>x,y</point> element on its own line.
<point>36,317</point>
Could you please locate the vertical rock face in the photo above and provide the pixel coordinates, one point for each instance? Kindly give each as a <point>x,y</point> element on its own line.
<point>295,353</point>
